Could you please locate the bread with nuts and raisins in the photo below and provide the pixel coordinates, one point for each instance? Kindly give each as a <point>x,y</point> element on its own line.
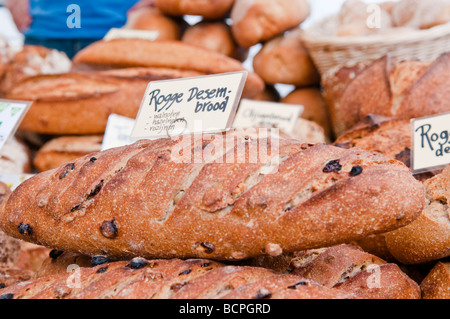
<point>170,279</point>
<point>156,199</point>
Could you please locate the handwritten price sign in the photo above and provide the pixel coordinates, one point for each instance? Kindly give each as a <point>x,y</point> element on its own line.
<point>11,114</point>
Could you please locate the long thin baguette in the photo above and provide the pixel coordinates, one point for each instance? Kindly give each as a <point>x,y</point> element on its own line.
<point>163,54</point>
<point>140,200</point>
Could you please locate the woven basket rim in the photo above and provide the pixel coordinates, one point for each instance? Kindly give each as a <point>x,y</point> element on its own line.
<point>397,39</point>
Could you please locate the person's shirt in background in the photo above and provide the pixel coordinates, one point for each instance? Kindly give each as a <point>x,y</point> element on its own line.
<point>69,26</point>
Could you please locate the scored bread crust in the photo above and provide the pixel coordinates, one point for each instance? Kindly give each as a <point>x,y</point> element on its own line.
<point>137,200</point>
<point>170,279</point>
<point>163,54</point>
<point>428,237</point>
<point>386,87</point>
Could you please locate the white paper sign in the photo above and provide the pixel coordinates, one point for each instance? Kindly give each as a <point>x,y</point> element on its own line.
<point>204,104</point>
<point>117,132</point>
<point>117,33</point>
<point>430,143</point>
<point>267,114</point>
<point>13,180</point>
<point>11,114</point>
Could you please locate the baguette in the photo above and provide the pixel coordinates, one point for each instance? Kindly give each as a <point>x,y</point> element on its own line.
<point>170,279</point>
<point>143,200</point>
<point>163,54</point>
<point>80,103</point>
<point>387,87</point>
<point>428,237</point>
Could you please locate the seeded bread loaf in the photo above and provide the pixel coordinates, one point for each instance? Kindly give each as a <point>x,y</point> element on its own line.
<point>436,284</point>
<point>428,237</point>
<point>80,103</point>
<point>170,279</point>
<point>176,55</point>
<point>64,149</point>
<point>151,199</point>
<point>387,87</point>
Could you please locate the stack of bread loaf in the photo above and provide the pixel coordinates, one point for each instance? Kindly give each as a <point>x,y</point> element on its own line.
<point>332,211</point>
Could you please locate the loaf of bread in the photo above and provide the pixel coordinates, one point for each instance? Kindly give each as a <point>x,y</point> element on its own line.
<point>436,284</point>
<point>64,149</point>
<point>208,9</point>
<point>176,55</point>
<point>80,103</point>
<point>349,268</point>
<point>215,36</point>
<point>284,59</point>
<point>428,237</point>
<point>314,107</point>
<point>170,279</point>
<point>9,247</point>
<point>387,87</point>
<point>151,199</point>
<point>32,60</point>
<point>257,21</point>
<point>151,18</point>
<point>418,14</point>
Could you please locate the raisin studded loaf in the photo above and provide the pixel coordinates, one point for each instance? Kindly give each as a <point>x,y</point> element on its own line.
<point>156,199</point>
<point>387,87</point>
<point>170,279</point>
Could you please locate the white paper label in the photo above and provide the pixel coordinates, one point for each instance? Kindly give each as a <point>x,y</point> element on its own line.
<point>14,180</point>
<point>267,114</point>
<point>204,104</point>
<point>11,114</point>
<point>117,132</point>
<point>430,143</point>
<point>116,33</point>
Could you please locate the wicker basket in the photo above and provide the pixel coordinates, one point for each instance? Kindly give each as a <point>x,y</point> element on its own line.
<point>329,52</point>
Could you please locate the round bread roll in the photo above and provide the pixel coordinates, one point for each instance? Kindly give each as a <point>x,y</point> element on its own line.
<point>151,18</point>
<point>208,9</point>
<point>64,149</point>
<point>269,94</point>
<point>315,107</point>
<point>285,60</point>
<point>15,157</point>
<point>436,284</point>
<point>215,36</point>
<point>256,21</point>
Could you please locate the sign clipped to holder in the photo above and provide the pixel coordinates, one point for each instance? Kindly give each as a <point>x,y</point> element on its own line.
<point>11,114</point>
<point>117,132</point>
<point>204,104</point>
<point>267,114</point>
<point>14,180</point>
<point>430,143</point>
<point>122,33</point>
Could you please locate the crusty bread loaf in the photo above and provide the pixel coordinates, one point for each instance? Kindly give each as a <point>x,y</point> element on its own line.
<point>150,18</point>
<point>9,246</point>
<point>10,277</point>
<point>151,199</point>
<point>170,279</point>
<point>285,60</point>
<point>428,237</point>
<point>80,103</point>
<point>260,20</point>
<point>215,36</point>
<point>208,9</point>
<point>349,268</point>
<point>314,106</point>
<point>387,87</point>
<point>32,60</point>
<point>436,284</point>
<point>15,157</point>
<point>163,54</point>
<point>60,261</point>
<point>64,149</point>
